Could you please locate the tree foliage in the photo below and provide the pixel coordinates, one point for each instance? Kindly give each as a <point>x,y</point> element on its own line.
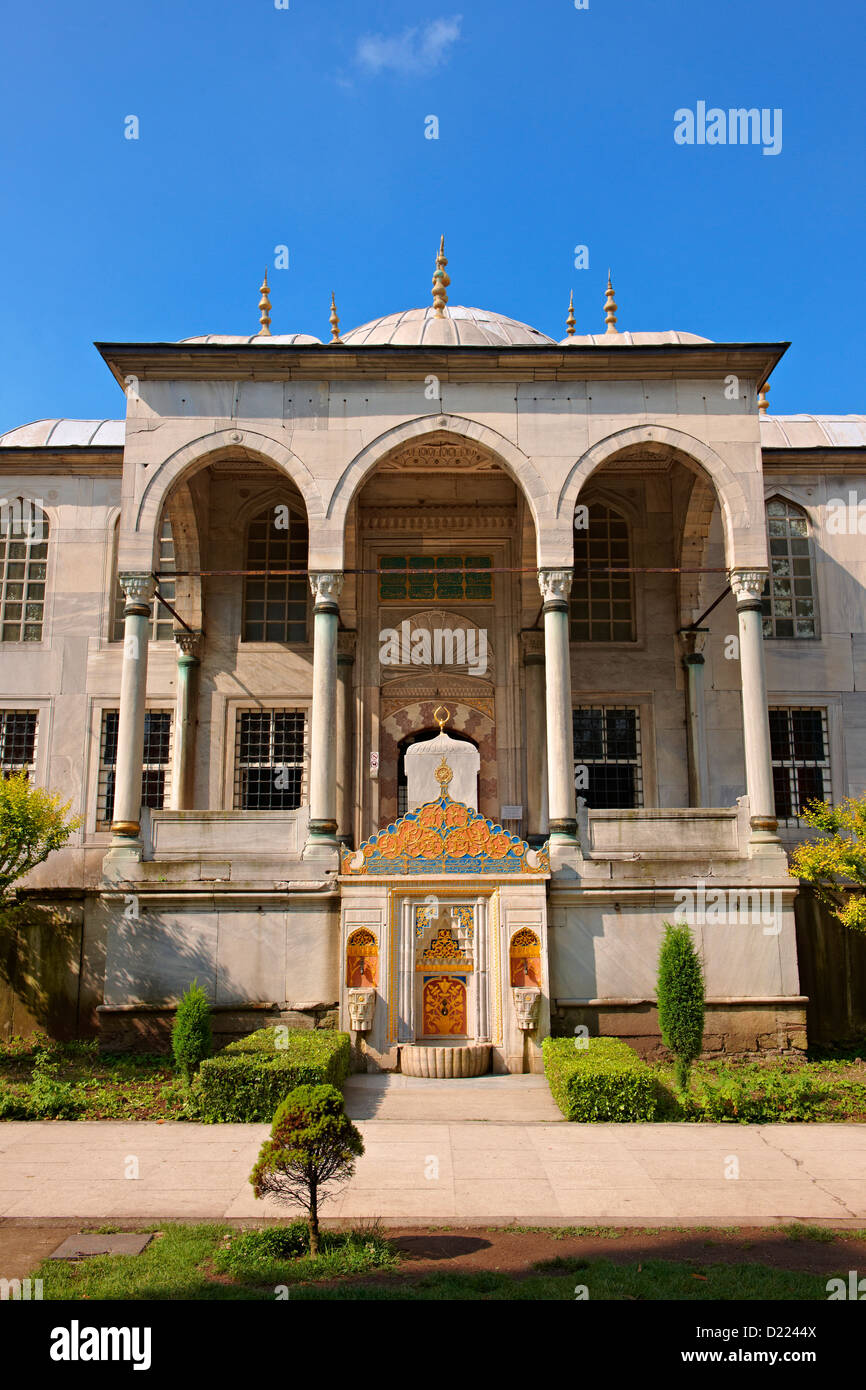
<point>33,823</point>
<point>191,1038</point>
<point>680,993</point>
<point>836,863</point>
<point>313,1145</point>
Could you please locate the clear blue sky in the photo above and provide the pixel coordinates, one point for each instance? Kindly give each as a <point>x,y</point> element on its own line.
<point>305,127</point>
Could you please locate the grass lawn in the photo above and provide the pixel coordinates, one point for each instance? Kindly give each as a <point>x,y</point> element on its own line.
<point>216,1262</point>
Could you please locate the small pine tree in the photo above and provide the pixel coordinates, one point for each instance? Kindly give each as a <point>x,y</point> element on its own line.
<point>191,1039</point>
<point>313,1145</point>
<point>680,994</point>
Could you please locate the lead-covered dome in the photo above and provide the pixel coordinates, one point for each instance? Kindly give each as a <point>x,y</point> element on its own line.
<point>457,326</point>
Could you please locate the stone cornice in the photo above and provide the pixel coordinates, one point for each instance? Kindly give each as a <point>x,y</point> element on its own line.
<point>495,517</point>
<point>228,361</point>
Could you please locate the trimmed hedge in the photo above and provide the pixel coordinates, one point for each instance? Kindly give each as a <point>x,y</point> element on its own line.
<point>252,1076</point>
<point>602,1081</point>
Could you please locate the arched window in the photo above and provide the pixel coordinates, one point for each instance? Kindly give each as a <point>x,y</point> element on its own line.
<point>602,592</point>
<point>275,606</point>
<point>161,621</point>
<point>23,567</point>
<point>788,602</point>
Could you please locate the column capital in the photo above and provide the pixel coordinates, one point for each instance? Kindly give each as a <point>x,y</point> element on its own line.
<point>693,640</point>
<point>532,646</point>
<point>327,585</point>
<point>748,585</point>
<point>138,589</point>
<point>555,586</point>
<point>188,644</point>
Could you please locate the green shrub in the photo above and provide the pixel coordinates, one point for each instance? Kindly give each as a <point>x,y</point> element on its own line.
<point>248,1081</point>
<point>602,1081</point>
<point>680,994</point>
<point>48,1098</point>
<point>757,1096</point>
<point>313,1146</point>
<point>191,1039</point>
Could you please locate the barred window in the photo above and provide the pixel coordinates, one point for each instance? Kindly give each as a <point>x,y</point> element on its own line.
<point>436,578</point>
<point>270,759</point>
<point>607,756</point>
<point>155,769</point>
<point>788,601</point>
<point>799,748</point>
<point>275,606</point>
<point>602,594</point>
<point>161,621</point>
<point>23,567</point>
<point>18,741</point>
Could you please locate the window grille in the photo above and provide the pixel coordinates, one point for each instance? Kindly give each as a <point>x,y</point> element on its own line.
<point>788,601</point>
<point>23,568</point>
<point>607,756</point>
<point>275,606</point>
<point>18,741</point>
<point>270,760</point>
<point>156,764</point>
<point>799,747</point>
<point>602,599</point>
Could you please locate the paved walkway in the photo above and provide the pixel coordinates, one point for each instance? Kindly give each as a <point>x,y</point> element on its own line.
<point>464,1153</point>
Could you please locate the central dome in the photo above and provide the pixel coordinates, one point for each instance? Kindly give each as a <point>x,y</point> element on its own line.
<point>458,327</point>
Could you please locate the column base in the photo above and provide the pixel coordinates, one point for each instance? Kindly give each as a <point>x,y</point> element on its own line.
<point>122,852</point>
<point>323,844</point>
<point>764,836</point>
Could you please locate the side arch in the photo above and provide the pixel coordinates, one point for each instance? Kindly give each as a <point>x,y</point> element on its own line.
<point>138,529</point>
<point>741,507</point>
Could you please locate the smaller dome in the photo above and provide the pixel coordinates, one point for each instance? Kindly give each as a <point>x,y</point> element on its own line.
<point>256,339</point>
<point>671,335</point>
<point>459,327</point>
<point>65,434</point>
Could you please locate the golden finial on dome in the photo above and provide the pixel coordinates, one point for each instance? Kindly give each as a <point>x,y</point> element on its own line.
<point>443,775</point>
<point>264,309</point>
<point>441,281</point>
<point>763,403</point>
<point>570,321</point>
<point>334,320</point>
<point>610,307</point>
<point>441,715</point>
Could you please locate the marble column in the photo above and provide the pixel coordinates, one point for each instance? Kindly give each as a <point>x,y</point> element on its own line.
<point>346,642</point>
<point>555,585</point>
<point>322,840</point>
<point>537,820</point>
<point>185,720</point>
<point>126,825</point>
<point>748,586</point>
<point>693,640</point>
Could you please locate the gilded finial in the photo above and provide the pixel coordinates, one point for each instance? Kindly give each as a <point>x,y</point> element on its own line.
<point>610,307</point>
<point>441,715</point>
<point>264,309</point>
<point>334,320</point>
<point>570,321</point>
<point>441,281</point>
<point>443,775</point>
<point>763,403</point>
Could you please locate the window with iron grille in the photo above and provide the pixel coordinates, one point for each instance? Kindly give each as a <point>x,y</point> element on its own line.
<point>275,606</point>
<point>155,769</point>
<point>788,601</point>
<point>270,759</point>
<point>23,567</point>
<point>436,578</point>
<point>161,621</point>
<point>607,756</point>
<point>18,741</point>
<point>602,594</point>
<point>800,749</point>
